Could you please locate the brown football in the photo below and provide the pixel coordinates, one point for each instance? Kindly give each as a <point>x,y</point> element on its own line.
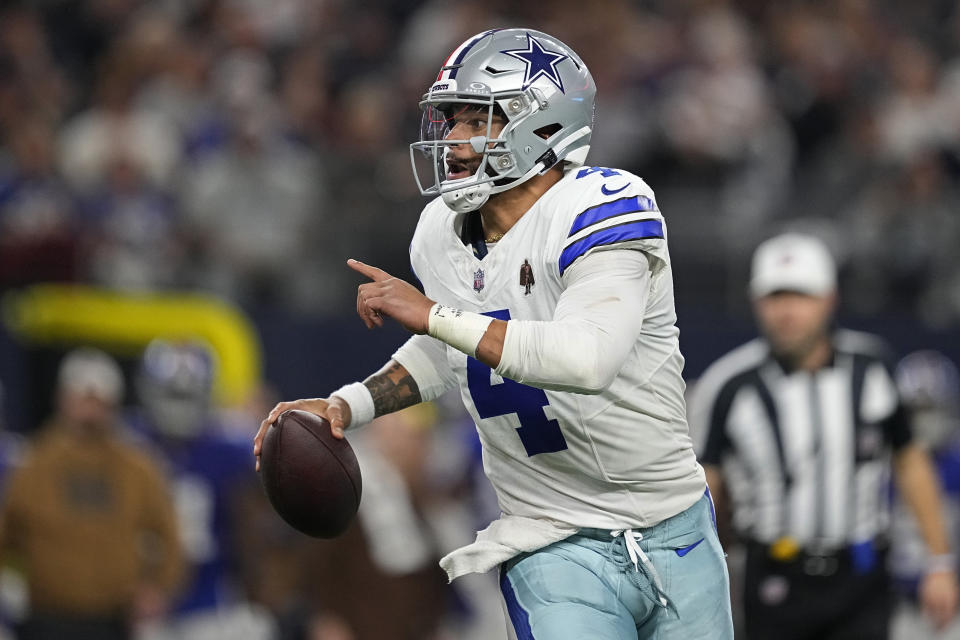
<point>311,478</point>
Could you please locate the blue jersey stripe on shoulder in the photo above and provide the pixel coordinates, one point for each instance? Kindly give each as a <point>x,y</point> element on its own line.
<point>593,215</point>
<point>637,230</point>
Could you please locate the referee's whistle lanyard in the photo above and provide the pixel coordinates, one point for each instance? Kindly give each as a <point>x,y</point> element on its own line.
<point>651,586</point>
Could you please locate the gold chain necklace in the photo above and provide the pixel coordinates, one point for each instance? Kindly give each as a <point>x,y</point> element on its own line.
<point>494,237</point>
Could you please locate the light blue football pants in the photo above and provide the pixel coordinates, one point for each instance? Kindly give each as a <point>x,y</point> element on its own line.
<point>667,581</point>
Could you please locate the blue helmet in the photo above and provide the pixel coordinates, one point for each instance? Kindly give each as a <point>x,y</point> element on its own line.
<point>929,385</point>
<point>175,383</point>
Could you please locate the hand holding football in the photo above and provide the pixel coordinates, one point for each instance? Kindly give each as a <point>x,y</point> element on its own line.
<point>311,478</point>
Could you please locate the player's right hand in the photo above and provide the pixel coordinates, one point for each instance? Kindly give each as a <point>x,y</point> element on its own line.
<point>333,409</point>
<point>389,296</point>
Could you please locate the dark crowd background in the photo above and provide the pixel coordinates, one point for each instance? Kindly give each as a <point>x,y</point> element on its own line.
<point>247,148</point>
<point>242,150</point>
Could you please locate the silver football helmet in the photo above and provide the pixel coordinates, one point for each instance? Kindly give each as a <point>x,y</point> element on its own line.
<point>540,89</point>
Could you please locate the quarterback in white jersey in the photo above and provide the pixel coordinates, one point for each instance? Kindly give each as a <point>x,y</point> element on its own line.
<point>548,300</point>
<point>603,443</point>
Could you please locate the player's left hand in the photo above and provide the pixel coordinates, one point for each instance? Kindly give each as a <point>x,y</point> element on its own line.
<point>392,297</point>
<point>939,596</point>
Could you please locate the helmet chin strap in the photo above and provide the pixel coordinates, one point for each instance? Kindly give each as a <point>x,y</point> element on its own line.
<point>474,195</point>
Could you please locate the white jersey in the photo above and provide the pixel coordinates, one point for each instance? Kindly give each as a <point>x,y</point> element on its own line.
<point>621,458</point>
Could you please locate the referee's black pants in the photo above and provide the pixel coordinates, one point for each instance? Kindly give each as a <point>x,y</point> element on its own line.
<point>815,598</point>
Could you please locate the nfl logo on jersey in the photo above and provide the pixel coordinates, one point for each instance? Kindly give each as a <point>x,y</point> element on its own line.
<point>478,280</point>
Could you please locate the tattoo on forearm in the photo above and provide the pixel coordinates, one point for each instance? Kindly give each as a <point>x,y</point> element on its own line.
<point>392,388</point>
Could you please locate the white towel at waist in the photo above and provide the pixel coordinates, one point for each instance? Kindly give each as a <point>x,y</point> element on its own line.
<point>505,538</point>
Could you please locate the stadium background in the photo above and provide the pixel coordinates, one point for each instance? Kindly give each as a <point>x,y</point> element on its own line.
<point>232,154</point>
<point>245,149</point>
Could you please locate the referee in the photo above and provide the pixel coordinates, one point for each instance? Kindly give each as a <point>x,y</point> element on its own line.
<point>798,430</point>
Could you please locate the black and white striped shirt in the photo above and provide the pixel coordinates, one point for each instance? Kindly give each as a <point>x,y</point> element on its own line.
<point>804,454</point>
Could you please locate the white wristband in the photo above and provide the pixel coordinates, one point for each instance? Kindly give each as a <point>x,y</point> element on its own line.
<point>462,330</point>
<point>360,401</point>
<point>942,562</point>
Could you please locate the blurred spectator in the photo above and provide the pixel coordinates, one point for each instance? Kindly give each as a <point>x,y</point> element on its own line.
<point>31,83</point>
<point>176,63</point>
<point>911,120</point>
<point>720,110</point>
<point>134,241</point>
<point>370,178</point>
<point>115,127</point>
<point>435,28</point>
<point>949,96</point>
<point>252,204</point>
<point>721,97</point>
<point>209,469</point>
<point>305,92</point>
<point>916,204</point>
<point>822,56</point>
<point>930,386</point>
<point>88,518</point>
<point>38,216</point>
<point>632,53</point>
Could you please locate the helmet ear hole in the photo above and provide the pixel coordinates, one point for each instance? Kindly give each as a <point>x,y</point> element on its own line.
<point>548,130</point>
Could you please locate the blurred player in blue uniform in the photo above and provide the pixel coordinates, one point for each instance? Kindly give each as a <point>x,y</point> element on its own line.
<point>929,384</point>
<point>209,469</point>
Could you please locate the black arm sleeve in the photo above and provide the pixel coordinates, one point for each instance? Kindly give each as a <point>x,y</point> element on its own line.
<point>717,441</point>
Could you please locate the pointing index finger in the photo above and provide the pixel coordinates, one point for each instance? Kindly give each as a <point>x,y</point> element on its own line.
<point>375,274</point>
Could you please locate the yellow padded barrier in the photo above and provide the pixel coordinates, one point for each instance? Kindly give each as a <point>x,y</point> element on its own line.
<point>72,314</point>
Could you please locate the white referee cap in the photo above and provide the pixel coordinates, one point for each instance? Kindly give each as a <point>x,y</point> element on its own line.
<point>793,262</point>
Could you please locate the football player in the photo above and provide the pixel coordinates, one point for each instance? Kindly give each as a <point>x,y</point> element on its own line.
<point>929,384</point>
<point>209,468</point>
<point>575,384</point>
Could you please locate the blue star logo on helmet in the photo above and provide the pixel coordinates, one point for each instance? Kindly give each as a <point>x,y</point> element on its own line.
<point>539,61</point>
